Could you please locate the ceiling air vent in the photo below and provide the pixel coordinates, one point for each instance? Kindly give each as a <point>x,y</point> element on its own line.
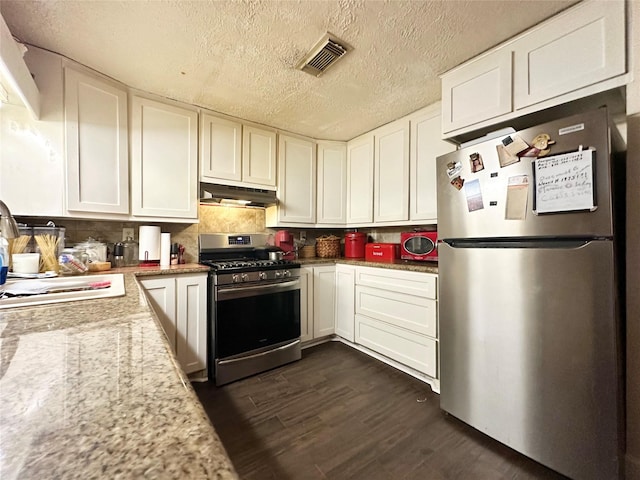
<point>323,55</point>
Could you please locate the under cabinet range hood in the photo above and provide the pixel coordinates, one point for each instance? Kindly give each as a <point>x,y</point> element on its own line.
<point>231,195</point>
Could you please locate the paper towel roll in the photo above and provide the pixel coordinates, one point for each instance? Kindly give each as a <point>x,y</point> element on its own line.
<point>149,248</point>
<point>165,249</point>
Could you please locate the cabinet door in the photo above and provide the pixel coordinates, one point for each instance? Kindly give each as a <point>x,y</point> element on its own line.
<point>258,156</point>
<point>332,183</point>
<point>391,188</point>
<point>581,47</point>
<point>324,284</point>
<point>32,151</point>
<point>345,308</point>
<point>477,91</point>
<point>191,322</point>
<point>97,147</point>
<point>306,304</point>
<point>220,149</point>
<point>164,170</point>
<point>296,180</point>
<point>360,180</point>
<point>426,146</point>
<point>161,292</point>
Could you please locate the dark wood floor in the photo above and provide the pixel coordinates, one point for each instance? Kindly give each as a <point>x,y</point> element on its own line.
<point>338,414</point>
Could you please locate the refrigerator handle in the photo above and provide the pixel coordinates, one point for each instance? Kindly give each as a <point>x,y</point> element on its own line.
<point>566,243</point>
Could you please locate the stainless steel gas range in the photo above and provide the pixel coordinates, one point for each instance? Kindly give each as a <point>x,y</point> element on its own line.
<point>254,306</point>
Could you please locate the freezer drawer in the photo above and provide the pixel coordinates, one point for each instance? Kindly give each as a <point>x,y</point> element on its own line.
<point>409,348</point>
<point>529,340</point>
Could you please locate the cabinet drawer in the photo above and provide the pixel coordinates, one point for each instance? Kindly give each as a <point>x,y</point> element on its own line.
<point>407,311</point>
<point>408,348</point>
<point>412,283</point>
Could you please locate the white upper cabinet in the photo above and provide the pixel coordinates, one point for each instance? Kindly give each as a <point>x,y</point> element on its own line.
<point>426,146</point>
<point>476,91</point>
<point>164,160</point>
<point>296,183</point>
<point>32,151</point>
<point>97,148</point>
<point>391,187</point>
<point>360,180</point>
<point>571,51</point>
<point>235,154</point>
<point>332,183</point>
<point>220,149</point>
<point>578,53</point>
<point>259,156</point>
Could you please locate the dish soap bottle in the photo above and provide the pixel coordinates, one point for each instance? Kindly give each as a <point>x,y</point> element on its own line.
<point>4,260</point>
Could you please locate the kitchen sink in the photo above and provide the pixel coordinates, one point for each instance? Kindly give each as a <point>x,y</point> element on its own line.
<point>63,289</point>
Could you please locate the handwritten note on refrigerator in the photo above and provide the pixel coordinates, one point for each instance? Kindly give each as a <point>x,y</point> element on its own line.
<point>565,183</point>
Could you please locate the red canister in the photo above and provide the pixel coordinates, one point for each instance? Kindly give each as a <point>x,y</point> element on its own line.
<point>354,243</point>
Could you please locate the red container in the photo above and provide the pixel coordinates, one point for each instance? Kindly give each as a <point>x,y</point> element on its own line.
<point>382,252</point>
<point>354,243</point>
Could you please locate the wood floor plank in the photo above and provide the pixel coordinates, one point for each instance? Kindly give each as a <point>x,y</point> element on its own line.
<point>340,414</point>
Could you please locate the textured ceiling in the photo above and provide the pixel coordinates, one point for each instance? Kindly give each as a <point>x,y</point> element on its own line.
<point>239,57</point>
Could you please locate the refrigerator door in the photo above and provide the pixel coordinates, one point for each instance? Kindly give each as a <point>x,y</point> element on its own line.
<point>529,342</point>
<point>456,221</point>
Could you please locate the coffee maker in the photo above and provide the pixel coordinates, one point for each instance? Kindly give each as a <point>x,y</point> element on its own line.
<point>284,240</point>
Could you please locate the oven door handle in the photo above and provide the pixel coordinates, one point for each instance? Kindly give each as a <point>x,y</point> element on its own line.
<point>258,355</point>
<point>253,290</point>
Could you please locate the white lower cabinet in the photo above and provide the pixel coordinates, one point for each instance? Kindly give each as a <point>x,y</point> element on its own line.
<point>345,308</point>
<point>317,301</point>
<point>306,304</point>
<point>396,315</point>
<point>180,302</point>
<point>324,299</point>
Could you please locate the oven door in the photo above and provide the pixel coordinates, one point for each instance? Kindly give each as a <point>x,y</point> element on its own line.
<point>252,317</point>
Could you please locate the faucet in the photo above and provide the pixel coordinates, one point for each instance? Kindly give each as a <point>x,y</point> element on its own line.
<point>8,225</point>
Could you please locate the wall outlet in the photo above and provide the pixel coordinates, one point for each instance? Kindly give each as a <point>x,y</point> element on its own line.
<point>127,232</point>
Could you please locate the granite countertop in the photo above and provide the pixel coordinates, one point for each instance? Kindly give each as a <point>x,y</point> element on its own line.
<point>427,267</point>
<point>157,270</point>
<point>90,389</point>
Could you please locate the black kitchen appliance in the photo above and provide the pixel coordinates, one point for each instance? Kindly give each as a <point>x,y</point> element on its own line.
<point>254,306</point>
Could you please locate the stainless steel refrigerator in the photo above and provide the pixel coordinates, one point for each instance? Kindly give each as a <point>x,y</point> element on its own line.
<point>529,300</point>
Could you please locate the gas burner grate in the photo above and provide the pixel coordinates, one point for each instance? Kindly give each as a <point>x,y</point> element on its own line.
<point>240,265</point>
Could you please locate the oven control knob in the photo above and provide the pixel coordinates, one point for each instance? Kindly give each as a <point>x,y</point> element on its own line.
<point>278,274</point>
<point>286,273</point>
<point>235,278</point>
<point>262,275</point>
<point>244,277</point>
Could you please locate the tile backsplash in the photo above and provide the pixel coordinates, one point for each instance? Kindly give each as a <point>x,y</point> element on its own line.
<point>213,219</point>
